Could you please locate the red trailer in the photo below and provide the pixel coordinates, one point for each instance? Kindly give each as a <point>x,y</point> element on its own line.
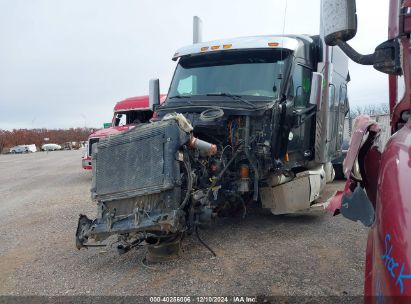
<point>388,262</point>
<point>381,196</point>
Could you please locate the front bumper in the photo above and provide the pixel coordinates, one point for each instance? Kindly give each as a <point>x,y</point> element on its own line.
<point>168,223</point>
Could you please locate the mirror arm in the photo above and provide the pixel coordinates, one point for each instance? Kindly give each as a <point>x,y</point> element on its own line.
<point>354,55</point>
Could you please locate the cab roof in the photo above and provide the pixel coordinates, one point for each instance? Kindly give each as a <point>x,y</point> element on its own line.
<point>289,42</point>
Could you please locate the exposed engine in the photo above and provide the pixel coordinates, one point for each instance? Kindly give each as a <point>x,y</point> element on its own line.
<point>158,180</point>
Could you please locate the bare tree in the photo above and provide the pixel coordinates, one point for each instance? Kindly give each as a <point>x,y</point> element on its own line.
<point>384,108</point>
<point>371,110</point>
<point>3,140</point>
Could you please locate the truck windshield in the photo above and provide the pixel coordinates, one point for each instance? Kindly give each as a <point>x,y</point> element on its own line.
<point>242,73</point>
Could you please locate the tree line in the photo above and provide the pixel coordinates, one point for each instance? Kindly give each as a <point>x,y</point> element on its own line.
<point>16,137</point>
<point>370,110</point>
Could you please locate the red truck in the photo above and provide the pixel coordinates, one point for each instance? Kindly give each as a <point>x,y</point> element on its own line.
<point>127,114</point>
<point>380,196</point>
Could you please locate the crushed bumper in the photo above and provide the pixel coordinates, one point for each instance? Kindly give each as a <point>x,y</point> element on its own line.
<point>139,222</point>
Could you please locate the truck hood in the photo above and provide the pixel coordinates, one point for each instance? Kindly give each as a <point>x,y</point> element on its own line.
<point>110,131</point>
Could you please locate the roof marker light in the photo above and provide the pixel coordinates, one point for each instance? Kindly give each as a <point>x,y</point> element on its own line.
<point>227,46</point>
<point>273,44</point>
<point>215,47</point>
<point>204,48</point>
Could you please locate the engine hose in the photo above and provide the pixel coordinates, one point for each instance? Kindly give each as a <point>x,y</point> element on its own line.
<point>256,177</point>
<point>220,175</point>
<point>250,159</point>
<point>187,166</point>
<point>228,165</point>
<point>203,243</point>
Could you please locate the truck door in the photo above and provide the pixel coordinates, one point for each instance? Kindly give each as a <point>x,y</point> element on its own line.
<point>301,138</point>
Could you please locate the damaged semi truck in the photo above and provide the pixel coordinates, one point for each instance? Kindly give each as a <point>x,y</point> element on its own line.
<point>246,120</point>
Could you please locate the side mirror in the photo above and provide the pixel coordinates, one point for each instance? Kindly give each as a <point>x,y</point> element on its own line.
<point>387,57</point>
<point>154,93</point>
<point>339,20</point>
<point>316,90</point>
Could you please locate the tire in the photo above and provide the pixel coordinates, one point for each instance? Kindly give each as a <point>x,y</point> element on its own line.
<point>339,174</point>
<point>164,251</point>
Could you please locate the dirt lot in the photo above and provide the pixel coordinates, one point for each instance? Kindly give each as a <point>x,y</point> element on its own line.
<point>41,195</point>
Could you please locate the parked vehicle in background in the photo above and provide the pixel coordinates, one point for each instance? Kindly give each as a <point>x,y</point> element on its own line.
<point>380,196</point>
<point>51,147</point>
<point>23,149</point>
<point>127,114</point>
<point>94,138</point>
<point>72,145</point>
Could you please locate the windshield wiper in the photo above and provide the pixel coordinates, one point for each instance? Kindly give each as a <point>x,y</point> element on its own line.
<point>235,97</point>
<point>179,96</point>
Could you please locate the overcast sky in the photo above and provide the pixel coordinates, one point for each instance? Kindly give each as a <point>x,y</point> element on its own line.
<point>66,63</point>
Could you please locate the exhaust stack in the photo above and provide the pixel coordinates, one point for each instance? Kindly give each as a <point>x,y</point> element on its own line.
<point>197,30</point>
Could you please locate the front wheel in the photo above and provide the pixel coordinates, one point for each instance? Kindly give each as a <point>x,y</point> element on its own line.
<point>339,174</point>
<point>164,249</point>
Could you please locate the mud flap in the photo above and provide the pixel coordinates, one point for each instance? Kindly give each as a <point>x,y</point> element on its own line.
<point>84,224</point>
<point>357,207</point>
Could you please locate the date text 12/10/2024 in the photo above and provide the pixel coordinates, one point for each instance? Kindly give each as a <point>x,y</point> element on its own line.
<point>204,299</point>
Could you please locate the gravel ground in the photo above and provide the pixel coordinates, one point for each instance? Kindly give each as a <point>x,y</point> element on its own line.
<point>41,195</point>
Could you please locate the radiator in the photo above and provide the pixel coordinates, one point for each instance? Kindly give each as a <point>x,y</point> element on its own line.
<point>140,161</point>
